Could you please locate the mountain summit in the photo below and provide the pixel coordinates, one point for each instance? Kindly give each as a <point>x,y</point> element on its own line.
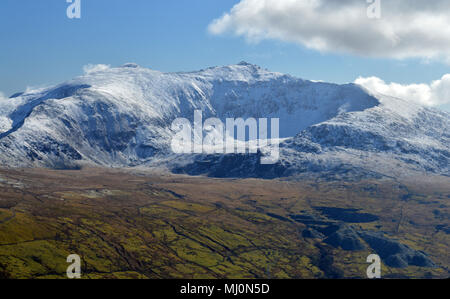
<point>121,117</point>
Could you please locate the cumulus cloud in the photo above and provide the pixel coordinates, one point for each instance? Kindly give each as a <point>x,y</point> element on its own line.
<point>407,28</point>
<point>93,68</point>
<point>434,94</point>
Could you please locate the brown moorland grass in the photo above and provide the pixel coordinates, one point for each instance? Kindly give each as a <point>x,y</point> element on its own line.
<point>137,224</point>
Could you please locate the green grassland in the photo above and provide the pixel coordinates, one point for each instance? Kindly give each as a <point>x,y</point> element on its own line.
<point>140,225</point>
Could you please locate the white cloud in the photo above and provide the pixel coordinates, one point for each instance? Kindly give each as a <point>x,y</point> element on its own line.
<point>93,68</point>
<point>436,93</point>
<point>407,28</point>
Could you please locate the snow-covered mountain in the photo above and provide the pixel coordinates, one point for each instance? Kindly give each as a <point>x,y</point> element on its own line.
<point>394,138</point>
<point>121,117</point>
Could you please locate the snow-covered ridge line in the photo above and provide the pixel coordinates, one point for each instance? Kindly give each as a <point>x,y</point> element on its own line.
<point>122,117</point>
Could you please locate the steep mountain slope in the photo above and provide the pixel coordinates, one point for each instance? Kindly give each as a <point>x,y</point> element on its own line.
<point>394,138</point>
<point>122,117</point>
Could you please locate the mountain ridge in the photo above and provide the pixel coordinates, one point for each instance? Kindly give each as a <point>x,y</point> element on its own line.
<point>121,117</point>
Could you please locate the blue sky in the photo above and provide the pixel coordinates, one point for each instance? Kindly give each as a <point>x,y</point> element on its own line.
<point>40,46</point>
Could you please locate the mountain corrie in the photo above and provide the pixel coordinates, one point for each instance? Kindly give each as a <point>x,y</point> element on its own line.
<point>220,138</point>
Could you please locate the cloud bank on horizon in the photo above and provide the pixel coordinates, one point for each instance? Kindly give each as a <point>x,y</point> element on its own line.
<point>434,94</point>
<point>406,29</point>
